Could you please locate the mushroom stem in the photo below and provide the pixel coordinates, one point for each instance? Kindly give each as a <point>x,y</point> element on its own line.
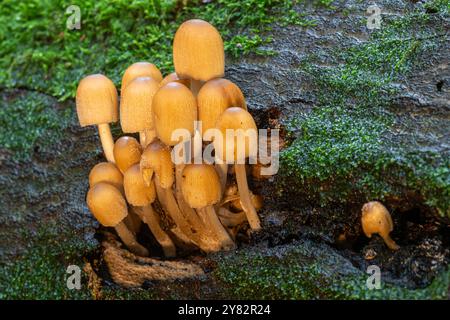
<point>146,137</point>
<point>195,86</point>
<point>142,139</point>
<point>130,241</point>
<point>213,223</point>
<point>190,213</point>
<point>107,141</point>
<point>249,209</point>
<point>390,243</point>
<point>222,171</point>
<point>132,222</point>
<point>149,217</point>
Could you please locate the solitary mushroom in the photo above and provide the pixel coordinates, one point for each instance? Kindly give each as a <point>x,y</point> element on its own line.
<point>156,161</point>
<point>140,69</point>
<point>213,99</point>
<point>201,190</point>
<point>136,108</point>
<point>141,197</point>
<point>198,53</point>
<point>127,151</point>
<point>97,104</point>
<point>376,219</point>
<point>110,208</point>
<point>243,126</point>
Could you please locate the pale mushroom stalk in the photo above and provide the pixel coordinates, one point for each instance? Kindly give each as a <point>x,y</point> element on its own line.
<point>146,137</point>
<point>150,218</point>
<point>390,243</point>
<point>129,240</point>
<point>107,141</point>
<point>222,171</point>
<point>213,222</point>
<point>249,209</point>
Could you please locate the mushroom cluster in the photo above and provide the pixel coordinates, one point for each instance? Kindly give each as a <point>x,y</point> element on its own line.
<point>202,204</point>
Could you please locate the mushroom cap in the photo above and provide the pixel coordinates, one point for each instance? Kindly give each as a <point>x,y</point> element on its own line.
<point>198,51</point>
<point>106,172</point>
<point>136,192</point>
<point>157,157</point>
<point>140,69</point>
<point>376,218</point>
<point>127,151</point>
<point>244,126</point>
<point>173,77</point>
<point>96,100</point>
<point>214,98</point>
<point>107,204</point>
<point>174,107</point>
<point>200,185</point>
<point>136,104</point>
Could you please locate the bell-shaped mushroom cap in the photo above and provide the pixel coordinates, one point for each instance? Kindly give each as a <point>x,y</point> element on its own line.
<point>140,69</point>
<point>157,158</point>
<point>127,151</point>
<point>200,185</point>
<point>137,193</point>
<point>198,51</point>
<point>136,105</point>
<point>173,77</point>
<point>214,98</point>
<point>107,204</point>
<point>244,130</point>
<point>106,172</point>
<point>376,219</point>
<point>96,100</point>
<point>174,107</point>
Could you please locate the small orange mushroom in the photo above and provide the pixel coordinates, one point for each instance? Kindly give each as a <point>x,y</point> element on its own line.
<point>376,219</point>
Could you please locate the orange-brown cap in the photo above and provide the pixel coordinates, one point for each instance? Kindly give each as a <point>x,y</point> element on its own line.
<point>140,69</point>
<point>136,105</point>
<point>244,129</point>
<point>96,100</point>
<point>200,185</point>
<point>214,98</point>
<point>137,193</point>
<point>107,204</point>
<point>127,151</point>
<point>173,77</point>
<point>106,172</point>
<point>174,107</point>
<point>376,219</point>
<point>157,159</point>
<point>198,51</point>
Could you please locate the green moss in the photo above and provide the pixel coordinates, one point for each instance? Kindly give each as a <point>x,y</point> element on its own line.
<point>295,274</point>
<point>30,119</point>
<point>40,272</point>
<point>343,148</point>
<point>40,55</point>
